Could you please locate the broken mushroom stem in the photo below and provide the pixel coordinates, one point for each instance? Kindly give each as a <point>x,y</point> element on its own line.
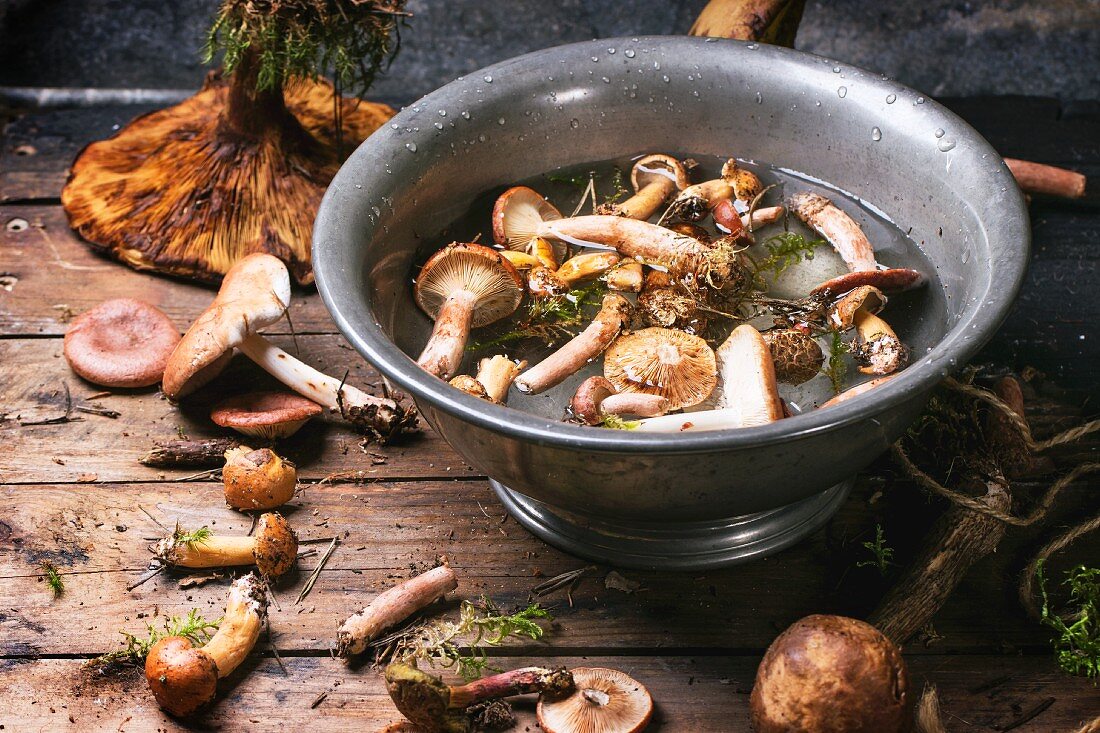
<point>1047,180</point>
<point>273,549</point>
<point>626,277</point>
<point>496,375</point>
<point>597,397</point>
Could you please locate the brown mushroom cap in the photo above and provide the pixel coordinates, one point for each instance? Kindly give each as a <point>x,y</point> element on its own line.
<point>662,361</point>
<point>257,479</point>
<point>121,343</point>
<point>268,415</point>
<point>602,701</point>
<point>893,280</point>
<point>472,268</point>
<point>276,545</point>
<point>517,213</point>
<point>658,167</point>
<point>182,678</point>
<point>842,313</point>
<point>746,185</point>
<point>831,673</point>
<point>796,356</point>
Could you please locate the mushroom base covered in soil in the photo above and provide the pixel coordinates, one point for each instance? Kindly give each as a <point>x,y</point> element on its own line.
<point>191,189</point>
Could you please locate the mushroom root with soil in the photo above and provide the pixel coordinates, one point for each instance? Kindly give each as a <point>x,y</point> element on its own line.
<point>603,701</point>
<point>597,398</point>
<point>273,548</point>
<point>257,479</point>
<point>184,679</point>
<point>123,343</point>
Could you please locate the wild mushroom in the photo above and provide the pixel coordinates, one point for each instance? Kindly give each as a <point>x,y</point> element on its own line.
<point>587,266</point>
<point>440,708</point>
<point>184,679</point>
<point>496,375</point>
<point>857,390</point>
<point>254,294</point>
<point>848,239</point>
<point>597,397</point>
<point>737,186</point>
<point>542,282</point>
<point>796,356</point>
<point>120,343</point>
<point>603,701</point>
<point>517,213</point>
<point>746,223</point>
<point>267,415</point>
<point>469,385</point>
<point>877,349</point>
<point>654,178</point>
<point>614,314</point>
<point>257,479</point>
<point>393,606</point>
<point>662,361</point>
<point>625,277</point>
<point>273,549</point>
<point>865,298</point>
<point>831,673</point>
<point>463,286</point>
<point>670,305</point>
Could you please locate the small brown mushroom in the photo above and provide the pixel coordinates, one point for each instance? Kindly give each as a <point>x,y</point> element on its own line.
<point>603,701</point>
<point>184,679</point>
<point>830,673</point>
<point>469,385</point>
<point>121,343</point>
<point>517,214</point>
<point>857,390</point>
<point>273,549</point>
<point>654,178</point>
<point>597,397</point>
<point>463,286</point>
<point>257,479</point>
<point>669,305</point>
<point>737,186</point>
<point>865,298</point>
<point>542,282</point>
<point>662,361</point>
<point>625,277</point>
<point>267,415</point>
<point>796,356</point>
<point>877,349</point>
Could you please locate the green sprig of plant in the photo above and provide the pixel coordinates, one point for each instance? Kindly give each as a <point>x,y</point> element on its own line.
<point>836,369</point>
<point>785,250</point>
<point>462,645</point>
<point>192,627</point>
<point>1077,640</point>
<point>618,188</point>
<point>53,578</point>
<point>198,536</point>
<point>882,554</point>
<point>617,423</point>
<point>550,318</point>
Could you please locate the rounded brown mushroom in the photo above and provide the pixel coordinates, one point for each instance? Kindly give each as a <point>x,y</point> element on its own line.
<point>276,550</point>
<point>463,286</point>
<point>121,343</point>
<point>603,701</point>
<point>796,356</point>
<point>675,365</point>
<point>257,479</point>
<point>469,385</point>
<point>268,415</point>
<point>830,673</point>
<point>597,397</point>
<point>669,305</point>
<point>273,548</point>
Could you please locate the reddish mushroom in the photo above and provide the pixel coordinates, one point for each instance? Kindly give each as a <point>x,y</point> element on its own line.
<point>602,701</point>
<point>597,397</point>
<point>267,415</point>
<point>121,343</point>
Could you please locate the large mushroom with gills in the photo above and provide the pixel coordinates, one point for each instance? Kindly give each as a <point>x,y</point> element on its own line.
<point>603,701</point>
<point>654,178</point>
<point>597,398</point>
<point>184,679</point>
<point>850,242</point>
<point>662,361</point>
<point>254,294</point>
<point>121,343</point>
<point>463,286</point>
<point>273,548</point>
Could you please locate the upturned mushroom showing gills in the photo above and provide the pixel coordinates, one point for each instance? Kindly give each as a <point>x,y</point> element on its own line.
<point>654,178</point>
<point>662,361</point>
<point>257,479</point>
<point>848,239</point>
<point>184,679</point>
<point>597,398</point>
<point>268,415</point>
<point>826,674</point>
<point>120,343</point>
<point>603,701</point>
<point>797,358</point>
<point>273,548</point>
<point>463,286</point>
<point>518,212</point>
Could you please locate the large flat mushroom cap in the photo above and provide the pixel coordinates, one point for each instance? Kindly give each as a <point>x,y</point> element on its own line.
<point>603,701</point>
<point>121,343</point>
<point>267,414</point>
<point>470,267</point>
<point>662,361</point>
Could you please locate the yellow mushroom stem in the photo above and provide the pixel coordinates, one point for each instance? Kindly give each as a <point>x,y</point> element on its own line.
<point>240,627</point>
<point>496,375</point>
<point>626,277</point>
<point>521,260</point>
<point>543,251</point>
<point>648,198</point>
<point>586,267</point>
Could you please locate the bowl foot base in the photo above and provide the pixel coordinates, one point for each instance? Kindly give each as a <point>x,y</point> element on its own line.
<point>674,545</point>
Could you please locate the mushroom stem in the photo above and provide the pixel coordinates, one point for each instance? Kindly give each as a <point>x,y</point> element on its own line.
<point>693,203</point>
<point>582,348</point>
<point>722,419</point>
<point>586,266</point>
<point>857,390</point>
<point>273,549</point>
<point>1048,180</point>
<point>506,684</point>
<point>240,627</point>
<point>647,200</point>
<point>748,378</point>
<point>379,415</point>
<point>839,229</point>
<point>496,375</point>
<point>625,277</point>
<point>392,607</point>
<point>443,353</point>
<point>635,403</point>
<point>878,349</point>
<point>762,217</point>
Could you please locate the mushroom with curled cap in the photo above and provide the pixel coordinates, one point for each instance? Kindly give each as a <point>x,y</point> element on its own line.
<point>831,673</point>
<point>654,178</point>
<point>268,415</point>
<point>877,349</point>
<point>184,679</point>
<point>736,185</point>
<point>848,239</point>
<point>597,398</point>
<point>603,701</point>
<point>795,354</point>
<point>257,479</point>
<point>519,211</point>
<point>494,376</point>
<point>273,549</point>
<point>254,294</point>
<point>662,361</point>
<point>865,298</point>
<point>463,286</point>
<point>121,342</point>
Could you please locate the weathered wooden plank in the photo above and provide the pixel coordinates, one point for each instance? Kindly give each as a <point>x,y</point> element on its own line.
<point>691,695</point>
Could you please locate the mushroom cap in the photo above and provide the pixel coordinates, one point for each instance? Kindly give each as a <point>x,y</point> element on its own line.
<point>517,214</point>
<point>257,479</point>
<point>603,701</point>
<point>658,167</point>
<point>796,356</point>
<point>423,699</point>
<point>893,280</point>
<point>827,674</point>
<point>121,343</point>
<point>473,268</point>
<point>728,218</point>
<point>586,401</point>
<point>842,313</point>
<point>182,678</point>
<point>268,414</point>
<point>254,294</point>
<point>676,365</point>
<point>746,185</point>
<point>276,545</point>
<point>542,282</point>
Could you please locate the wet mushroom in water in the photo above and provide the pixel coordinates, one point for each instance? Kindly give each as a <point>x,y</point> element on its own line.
<point>625,277</point>
<point>241,166</point>
<point>587,266</point>
<point>520,210</point>
<point>734,191</point>
<point>857,390</point>
<point>254,294</point>
<point>268,415</point>
<point>121,343</point>
<point>496,374</point>
<point>603,701</point>
<point>273,549</point>
<point>849,241</point>
<point>597,397</point>
<point>184,679</point>
<point>662,361</point>
<point>669,305</point>
<point>257,479</point>
<point>463,286</point>
<point>796,355</point>
<point>877,349</point>
<point>654,178</point>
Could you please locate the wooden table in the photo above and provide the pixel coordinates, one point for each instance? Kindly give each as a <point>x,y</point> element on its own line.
<point>73,494</point>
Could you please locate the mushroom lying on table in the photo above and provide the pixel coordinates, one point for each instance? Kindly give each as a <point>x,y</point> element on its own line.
<point>257,479</point>
<point>273,549</point>
<point>121,342</point>
<point>603,701</point>
<point>662,361</point>
<point>654,178</point>
<point>597,397</point>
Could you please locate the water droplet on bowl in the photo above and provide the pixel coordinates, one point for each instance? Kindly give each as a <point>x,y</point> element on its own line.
<point>605,80</point>
<point>488,79</point>
<point>940,132</point>
<point>611,50</point>
<point>395,126</point>
<point>919,100</point>
<point>836,69</point>
<point>500,121</point>
<point>574,123</point>
<point>876,134</point>
<point>629,53</point>
<point>439,125</point>
<point>595,59</point>
<point>891,98</point>
<point>759,98</point>
<point>945,144</point>
<point>842,92</point>
<point>753,46</point>
<point>465,114</point>
<point>442,113</point>
<point>411,147</point>
<point>482,138</point>
<point>665,79</point>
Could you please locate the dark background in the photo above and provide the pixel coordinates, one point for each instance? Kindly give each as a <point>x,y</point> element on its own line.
<point>942,47</point>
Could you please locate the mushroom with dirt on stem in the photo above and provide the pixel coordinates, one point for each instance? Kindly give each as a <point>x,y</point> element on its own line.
<point>877,349</point>
<point>184,679</point>
<point>597,398</point>
<point>496,374</point>
<point>268,415</point>
<point>463,286</point>
<point>122,343</point>
<point>257,479</point>
<point>673,364</point>
<point>603,701</point>
<point>654,178</point>
<point>273,549</point>
<point>668,304</point>
<point>254,294</point>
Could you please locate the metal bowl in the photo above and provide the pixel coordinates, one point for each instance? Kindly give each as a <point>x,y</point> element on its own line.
<point>676,500</point>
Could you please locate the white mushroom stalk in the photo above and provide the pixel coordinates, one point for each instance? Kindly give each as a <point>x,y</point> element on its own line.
<point>496,375</point>
<point>614,314</point>
<point>878,350</point>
